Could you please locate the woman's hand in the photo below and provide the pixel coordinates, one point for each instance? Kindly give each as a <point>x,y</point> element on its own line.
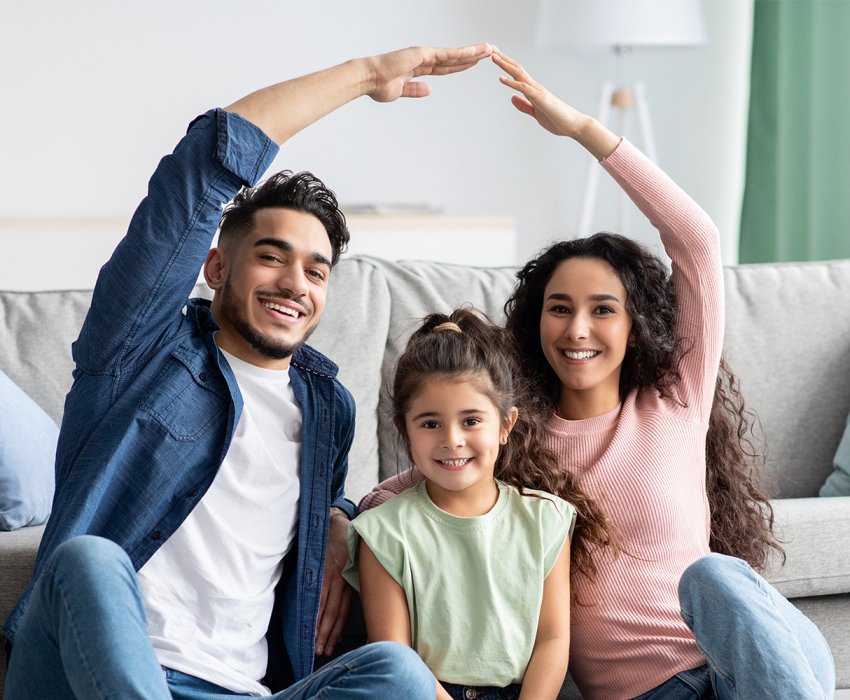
<point>552,113</point>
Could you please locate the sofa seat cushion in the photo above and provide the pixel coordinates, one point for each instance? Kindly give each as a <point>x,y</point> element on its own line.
<point>813,532</point>
<point>17,555</point>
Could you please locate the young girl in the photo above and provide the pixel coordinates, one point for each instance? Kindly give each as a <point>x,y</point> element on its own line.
<point>627,356</point>
<point>471,571</point>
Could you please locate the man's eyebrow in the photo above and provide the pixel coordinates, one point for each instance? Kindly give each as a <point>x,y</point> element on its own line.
<point>286,247</point>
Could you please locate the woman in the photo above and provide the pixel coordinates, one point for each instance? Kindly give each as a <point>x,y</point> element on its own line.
<point>648,421</point>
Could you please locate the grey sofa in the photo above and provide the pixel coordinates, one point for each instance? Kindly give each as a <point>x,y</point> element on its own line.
<point>788,338</point>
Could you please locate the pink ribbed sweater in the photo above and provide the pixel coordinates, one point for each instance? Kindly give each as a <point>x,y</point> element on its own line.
<point>645,463</point>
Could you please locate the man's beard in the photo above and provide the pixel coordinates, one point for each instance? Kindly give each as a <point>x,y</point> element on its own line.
<point>232,311</point>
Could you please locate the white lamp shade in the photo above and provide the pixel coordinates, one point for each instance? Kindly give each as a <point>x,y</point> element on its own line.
<point>607,23</point>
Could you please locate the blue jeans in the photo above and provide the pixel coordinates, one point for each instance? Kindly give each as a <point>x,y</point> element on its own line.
<point>84,635</point>
<point>757,644</point>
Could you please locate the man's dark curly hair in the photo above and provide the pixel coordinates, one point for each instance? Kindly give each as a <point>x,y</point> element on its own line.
<point>741,515</point>
<point>302,192</point>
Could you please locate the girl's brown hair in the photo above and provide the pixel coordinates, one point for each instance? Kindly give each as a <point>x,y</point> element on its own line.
<point>741,514</point>
<point>487,355</point>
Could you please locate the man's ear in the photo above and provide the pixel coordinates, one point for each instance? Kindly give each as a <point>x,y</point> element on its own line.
<point>508,424</point>
<point>214,269</point>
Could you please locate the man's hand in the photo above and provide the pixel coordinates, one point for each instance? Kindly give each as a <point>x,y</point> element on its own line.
<point>284,109</point>
<point>336,593</point>
<point>392,74</point>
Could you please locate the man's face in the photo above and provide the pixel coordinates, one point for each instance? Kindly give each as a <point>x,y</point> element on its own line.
<point>270,286</point>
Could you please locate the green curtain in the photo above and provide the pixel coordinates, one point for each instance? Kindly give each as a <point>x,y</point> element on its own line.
<point>797,191</point>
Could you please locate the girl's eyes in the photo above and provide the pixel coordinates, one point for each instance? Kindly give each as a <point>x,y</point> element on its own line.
<point>603,310</point>
<point>470,422</point>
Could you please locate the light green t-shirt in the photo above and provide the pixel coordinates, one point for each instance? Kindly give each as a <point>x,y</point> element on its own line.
<point>474,585</point>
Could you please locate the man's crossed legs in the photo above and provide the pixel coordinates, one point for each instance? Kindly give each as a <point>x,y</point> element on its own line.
<point>84,635</point>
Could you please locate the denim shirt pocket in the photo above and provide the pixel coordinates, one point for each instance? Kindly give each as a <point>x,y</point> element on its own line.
<point>185,398</point>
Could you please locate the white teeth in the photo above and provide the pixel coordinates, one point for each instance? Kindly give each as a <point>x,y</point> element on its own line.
<point>581,355</point>
<point>455,462</point>
<point>283,309</point>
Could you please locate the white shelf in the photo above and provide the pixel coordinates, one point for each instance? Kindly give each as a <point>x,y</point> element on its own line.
<point>481,241</point>
<point>67,253</point>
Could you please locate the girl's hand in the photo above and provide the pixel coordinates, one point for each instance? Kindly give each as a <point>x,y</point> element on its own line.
<point>551,113</point>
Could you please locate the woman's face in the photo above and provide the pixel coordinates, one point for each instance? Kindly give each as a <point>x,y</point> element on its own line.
<point>585,331</point>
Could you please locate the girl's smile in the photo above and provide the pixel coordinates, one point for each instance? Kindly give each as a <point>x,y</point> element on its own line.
<point>454,432</point>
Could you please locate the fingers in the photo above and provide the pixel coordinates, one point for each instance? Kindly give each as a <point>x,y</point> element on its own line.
<point>463,57</point>
<point>532,93</point>
<point>511,67</point>
<point>415,89</point>
<point>448,61</point>
<point>340,618</point>
<point>523,105</point>
<point>332,615</point>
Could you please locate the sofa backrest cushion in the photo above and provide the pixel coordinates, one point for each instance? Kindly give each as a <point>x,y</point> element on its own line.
<point>788,340</point>
<point>787,337</point>
<point>36,332</point>
<point>418,289</point>
<point>353,333</point>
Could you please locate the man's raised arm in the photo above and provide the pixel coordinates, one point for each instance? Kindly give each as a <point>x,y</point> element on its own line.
<point>286,108</point>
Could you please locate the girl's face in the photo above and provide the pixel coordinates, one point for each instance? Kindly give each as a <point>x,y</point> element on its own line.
<point>585,331</point>
<point>454,432</point>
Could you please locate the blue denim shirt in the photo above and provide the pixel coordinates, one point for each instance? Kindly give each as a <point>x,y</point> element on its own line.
<point>154,406</point>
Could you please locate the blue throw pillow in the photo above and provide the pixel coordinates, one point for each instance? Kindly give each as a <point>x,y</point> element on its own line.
<point>27,453</point>
<point>838,483</point>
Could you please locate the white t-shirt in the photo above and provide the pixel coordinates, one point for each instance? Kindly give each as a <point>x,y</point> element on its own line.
<point>209,589</point>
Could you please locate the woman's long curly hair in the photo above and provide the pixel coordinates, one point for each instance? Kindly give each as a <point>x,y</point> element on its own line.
<point>741,514</point>
<point>486,354</point>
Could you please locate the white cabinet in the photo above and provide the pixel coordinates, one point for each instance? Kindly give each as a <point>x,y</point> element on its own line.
<point>484,241</point>
<point>41,254</point>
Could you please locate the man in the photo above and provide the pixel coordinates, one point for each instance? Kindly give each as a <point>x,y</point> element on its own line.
<point>204,446</point>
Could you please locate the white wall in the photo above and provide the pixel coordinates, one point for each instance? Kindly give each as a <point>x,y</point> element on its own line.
<point>93,92</point>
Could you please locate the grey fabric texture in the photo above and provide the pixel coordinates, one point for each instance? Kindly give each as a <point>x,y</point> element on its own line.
<point>838,482</point>
<point>353,333</point>
<point>416,290</point>
<point>830,613</point>
<point>787,338</point>
<point>814,534</point>
<point>36,332</point>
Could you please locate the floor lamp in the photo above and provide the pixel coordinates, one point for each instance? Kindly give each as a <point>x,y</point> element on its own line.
<point>621,26</point>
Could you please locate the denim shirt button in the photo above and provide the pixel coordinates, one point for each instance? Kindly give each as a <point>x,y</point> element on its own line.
<point>192,493</point>
<point>156,534</point>
<point>202,376</point>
